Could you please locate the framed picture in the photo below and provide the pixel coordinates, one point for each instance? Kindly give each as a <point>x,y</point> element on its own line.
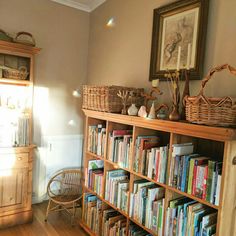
<point>178,38</point>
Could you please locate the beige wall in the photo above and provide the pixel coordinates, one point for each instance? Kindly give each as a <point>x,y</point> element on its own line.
<point>61,66</point>
<point>121,55</point>
<point>118,55</point>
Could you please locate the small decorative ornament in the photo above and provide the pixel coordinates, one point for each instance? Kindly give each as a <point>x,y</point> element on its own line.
<point>173,82</point>
<point>133,110</point>
<point>161,115</point>
<point>124,95</point>
<point>152,113</point>
<point>142,112</point>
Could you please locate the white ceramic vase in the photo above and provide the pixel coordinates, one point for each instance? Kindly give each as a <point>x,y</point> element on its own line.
<point>152,113</point>
<point>133,110</point>
<point>142,112</point>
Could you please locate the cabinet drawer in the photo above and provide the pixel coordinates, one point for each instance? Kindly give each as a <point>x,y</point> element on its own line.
<point>8,161</point>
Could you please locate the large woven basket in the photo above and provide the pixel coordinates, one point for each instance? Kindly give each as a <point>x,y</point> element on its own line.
<point>211,110</point>
<point>104,98</point>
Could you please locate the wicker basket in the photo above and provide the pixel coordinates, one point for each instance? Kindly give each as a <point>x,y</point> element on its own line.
<point>211,111</point>
<point>104,98</point>
<point>20,74</point>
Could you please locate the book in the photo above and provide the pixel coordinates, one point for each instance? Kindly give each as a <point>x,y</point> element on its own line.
<point>201,172</point>
<point>217,195</point>
<point>113,177</point>
<point>178,150</point>
<point>216,172</point>
<point>92,165</point>
<point>208,220</point>
<point>210,177</point>
<point>143,142</point>
<point>209,230</point>
<point>194,162</point>
<point>185,174</point>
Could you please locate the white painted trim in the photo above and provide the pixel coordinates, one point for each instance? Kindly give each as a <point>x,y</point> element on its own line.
<point>42,155</point>
<point>84,7</point>
<point>73,4</point>
<point>96,3</point>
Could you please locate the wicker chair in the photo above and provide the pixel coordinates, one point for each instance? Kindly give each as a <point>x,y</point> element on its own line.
<point>65,192</point>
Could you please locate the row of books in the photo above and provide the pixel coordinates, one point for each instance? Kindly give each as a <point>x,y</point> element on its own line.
<point>101,219</point>
<point>92,211</point>
<point>142,144</point>
<point>194,174</point>
<point>94,175</point>
<point>119,147</point>
<point>147,205</point>
<point>96,139</point>
<point>187,217</point>
<point>117,188</point>
<point>14,129</point>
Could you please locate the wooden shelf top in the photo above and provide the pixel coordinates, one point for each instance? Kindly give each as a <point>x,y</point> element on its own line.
<point>18,47</point>
<point>16,149</point>
<point>15,82</point>
<point>184,128</point>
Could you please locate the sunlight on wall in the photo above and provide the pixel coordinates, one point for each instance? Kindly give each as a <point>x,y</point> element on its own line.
<point>6,165</point>
<point>41,106</point>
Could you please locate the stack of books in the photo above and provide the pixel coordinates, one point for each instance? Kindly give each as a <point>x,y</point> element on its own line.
<point>94,175</point>
<point>187,217</point>
<point>117,188</point>
<point>147,205</point>
<point>96,139</point>
<point>102,220</point>
<point>113,223</point>
<point>156,163</point>
<point>195,174</point>
<point>92,212</point>
<point>119,147</point>
<point>143,143</point>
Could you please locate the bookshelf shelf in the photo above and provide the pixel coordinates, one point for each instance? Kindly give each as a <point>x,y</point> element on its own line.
<point>219,144</point>
<point>91,191</point>
<point>87,229</point>
<point>151,180</point>
<point>117,209</point>
<point>116,166</point>
<point>142,226</point>
<point>95,155</point>
<point>193,197</point>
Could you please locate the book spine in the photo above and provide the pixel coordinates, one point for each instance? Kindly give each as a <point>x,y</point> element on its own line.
<point>190,176</point>
<point>211,166</point>
<point>195,168</point>
<point>204,193</point>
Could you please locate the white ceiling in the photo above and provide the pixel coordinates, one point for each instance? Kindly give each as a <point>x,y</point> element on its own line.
<point>84,5</point>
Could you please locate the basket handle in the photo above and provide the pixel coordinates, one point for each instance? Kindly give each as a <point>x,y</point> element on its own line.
<point>2,31</point>
<point>231,69</point>
<point>25,33</point>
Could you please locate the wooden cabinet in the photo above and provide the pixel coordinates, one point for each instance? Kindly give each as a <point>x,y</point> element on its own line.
<point>16,149</point>
<point>215,142</point>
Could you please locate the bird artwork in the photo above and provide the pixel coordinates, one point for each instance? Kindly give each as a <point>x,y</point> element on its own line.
<point>170,47</point>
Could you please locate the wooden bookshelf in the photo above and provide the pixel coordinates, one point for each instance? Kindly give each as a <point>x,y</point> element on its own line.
<point>212,140</point>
